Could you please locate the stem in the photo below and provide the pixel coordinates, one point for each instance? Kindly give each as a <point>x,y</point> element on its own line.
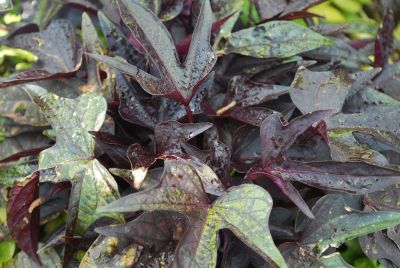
<point>189,114</point>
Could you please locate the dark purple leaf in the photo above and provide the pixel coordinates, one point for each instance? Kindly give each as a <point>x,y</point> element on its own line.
<point>285,186</point>
<point>313,91</point>
<point>178,81</point>
<point>141,160</point>
<point>181,190</point>
<point>384,40</point>
<point>245,92</point>
<point>350,177</point>
<point>23,215</point>
<point>150,236</point>
<point>245,148</point>
<point>389,80</point>
<point>271,8</point>
<point>249,115</point>
<point>183,46</point>
<point>339,53</point>
<point>131,107</point>
<point>277,136</point>
<point>171,134</point>
<point>59,54</point>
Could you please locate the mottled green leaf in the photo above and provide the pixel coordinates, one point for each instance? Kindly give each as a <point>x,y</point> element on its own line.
<point>71,120</point>
<point>73,153</point>
<point>345,147</point>
<point>244,210</point>
<point>275,39</point>
<point>337,221</point>
<point>15,170</point>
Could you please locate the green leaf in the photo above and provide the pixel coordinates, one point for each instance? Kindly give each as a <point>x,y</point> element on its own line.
<point>244,210</point>
<point>92,44</point>
<point>72,155</point>
<point>336,221</point>
<point>15,170</point>
<point>222,8</point>
<point>275,39</point>
<point>71,119</point>
<point>7,249</point>
<point>49,258</point>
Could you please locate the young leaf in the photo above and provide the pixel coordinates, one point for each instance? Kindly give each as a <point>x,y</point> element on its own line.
<point>56,49</point>
<point>244,210</point>
<point>179,81</point>
<point>275,39</point>
<point>22,217</point>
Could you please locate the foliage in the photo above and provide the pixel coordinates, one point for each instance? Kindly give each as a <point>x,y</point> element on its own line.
<point>180,133</point>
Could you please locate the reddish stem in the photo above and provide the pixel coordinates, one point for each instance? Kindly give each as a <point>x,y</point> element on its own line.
<point>189,114</point>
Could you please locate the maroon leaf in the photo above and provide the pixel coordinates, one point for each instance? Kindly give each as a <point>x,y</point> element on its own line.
<point>274,8</point>
<point>277,136</point>
<point>249,115</point>
<point>59,54</point>
<point>141,160</point>
<point>285,186</point>
<point>183,46</point>
<point>152,234</point>
<point>384,40</point>
<point>181,190</point>
<point>171,134</point>
<point>179,81</point>
<point>350,177</point>
<point>245,92</point>
<point>300,15</point>
<point>23,215</point>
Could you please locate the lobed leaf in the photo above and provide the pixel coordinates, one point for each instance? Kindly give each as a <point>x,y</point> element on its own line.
<point>181,190</point>
<point>72,155</point>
